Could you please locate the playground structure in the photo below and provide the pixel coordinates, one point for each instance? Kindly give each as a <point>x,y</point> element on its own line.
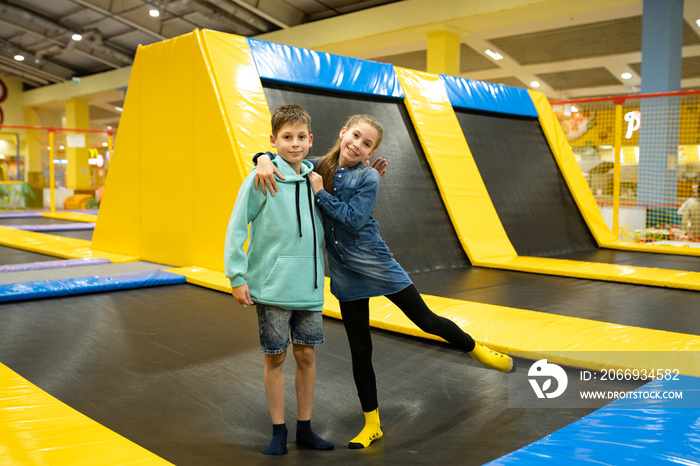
<point>175,213</point>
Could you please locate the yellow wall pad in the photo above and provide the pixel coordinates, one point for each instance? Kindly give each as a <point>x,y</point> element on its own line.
<point>527,333</point>
<point>72,216</point>
<point>170,203</point>
<point>36,428</point>
<point>462,189</point>
<point>58,246</point>
<point>580,190</point>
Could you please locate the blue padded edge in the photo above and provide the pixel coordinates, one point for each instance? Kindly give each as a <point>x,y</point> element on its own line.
<point>624,432</point>
<point>489,97</point>
<point>59,264</point>
<point>82,285</point>
<point>308,68</point>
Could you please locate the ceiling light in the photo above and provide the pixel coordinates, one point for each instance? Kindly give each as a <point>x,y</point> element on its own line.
<point>153,12</point>
<point>119,109</point>
<point>626,75</point>
<point>19,57</point>
<point>534,84</point>
<point>697,21</point>
<point>494,55</point>
<point>76,37</point>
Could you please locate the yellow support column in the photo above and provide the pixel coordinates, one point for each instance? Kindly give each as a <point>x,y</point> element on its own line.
<point>443,53</point>
<point>78,169</point>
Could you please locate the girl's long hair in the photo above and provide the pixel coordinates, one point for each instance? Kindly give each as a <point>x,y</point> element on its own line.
<point>329,163</point>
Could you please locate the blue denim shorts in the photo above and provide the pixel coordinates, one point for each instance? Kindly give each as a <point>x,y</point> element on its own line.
<point>275,324</point>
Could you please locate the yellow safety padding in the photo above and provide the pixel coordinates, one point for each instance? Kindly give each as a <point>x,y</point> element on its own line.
<point>59,246</point>
<point>462,189</point>
<point>570,169</point>
<point>527,333</point>
<point>205,278</point>
<point>72,216</point>
<point>241,128</point>
<point>185,144</point>
<point>684,250</point>
<point>118,228</point>
<point>599,271</point>
<point>36,428</point>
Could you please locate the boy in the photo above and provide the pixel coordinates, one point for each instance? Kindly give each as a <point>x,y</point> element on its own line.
<point>282,273</point>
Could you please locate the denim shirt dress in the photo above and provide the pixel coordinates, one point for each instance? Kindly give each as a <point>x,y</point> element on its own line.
<point>361,265</point>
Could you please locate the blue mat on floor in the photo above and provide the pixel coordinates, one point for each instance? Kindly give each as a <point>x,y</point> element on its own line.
<point>627,431</point>
<point>81,285</point>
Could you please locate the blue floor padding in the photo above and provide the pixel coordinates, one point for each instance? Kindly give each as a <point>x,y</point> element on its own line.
<point>82,285</point>
<point>56,227</point>
<point>626,431</point>
<point>58,264</point>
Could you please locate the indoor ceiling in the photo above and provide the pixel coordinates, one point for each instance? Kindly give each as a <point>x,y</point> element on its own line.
<point>571,56</point>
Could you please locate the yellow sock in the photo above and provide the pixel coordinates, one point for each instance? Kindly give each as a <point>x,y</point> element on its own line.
<point>490,358</point>
<point>371,432</point>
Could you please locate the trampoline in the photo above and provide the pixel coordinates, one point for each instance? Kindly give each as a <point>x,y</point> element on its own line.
<point>178,370</point>
<point>532,199</point>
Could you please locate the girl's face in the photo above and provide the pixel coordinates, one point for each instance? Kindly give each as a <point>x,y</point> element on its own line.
<point>357,144</point>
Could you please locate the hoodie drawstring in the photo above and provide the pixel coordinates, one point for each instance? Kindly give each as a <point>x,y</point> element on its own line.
<point>313,225</point>
<point>298,212</point>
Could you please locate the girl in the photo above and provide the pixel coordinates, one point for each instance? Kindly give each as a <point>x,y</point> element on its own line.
<point>361,265</point>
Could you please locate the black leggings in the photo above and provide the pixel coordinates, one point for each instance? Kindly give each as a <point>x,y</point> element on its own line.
<point>356,320</point>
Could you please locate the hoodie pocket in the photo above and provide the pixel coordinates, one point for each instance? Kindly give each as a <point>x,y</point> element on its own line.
<point>291,280</point>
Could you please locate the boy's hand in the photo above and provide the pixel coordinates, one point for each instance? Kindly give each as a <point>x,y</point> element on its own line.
<point>379,165</point>
<point>316,181</point>
<point>242,295</point>
<point>265,175</point>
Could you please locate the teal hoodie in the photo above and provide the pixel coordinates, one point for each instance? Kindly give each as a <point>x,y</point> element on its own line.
<point>284,262</point>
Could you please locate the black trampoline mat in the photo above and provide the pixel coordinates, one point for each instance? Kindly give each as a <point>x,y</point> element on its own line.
<point>178,370</point>
<point>532,198</point>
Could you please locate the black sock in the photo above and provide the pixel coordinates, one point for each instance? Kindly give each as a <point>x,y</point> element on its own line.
<point>308,438</point>
<point>278,444</point>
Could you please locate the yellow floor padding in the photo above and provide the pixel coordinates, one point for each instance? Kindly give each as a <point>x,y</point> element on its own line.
<point>37,429</point>
<point>72,216</point>
<point>58,246</point>
<point>568,340</point>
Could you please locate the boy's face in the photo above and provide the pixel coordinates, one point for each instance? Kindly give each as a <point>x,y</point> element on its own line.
<point>292,142</point>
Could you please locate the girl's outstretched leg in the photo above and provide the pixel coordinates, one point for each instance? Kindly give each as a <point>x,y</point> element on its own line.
<point>412,304</point>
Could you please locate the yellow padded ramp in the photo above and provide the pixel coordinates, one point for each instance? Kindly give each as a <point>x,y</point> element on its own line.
<point>580,190</point>
<point>36,428</point>
<point>59,246</point>
<point>470,208</point>
<point>72,216</point>
<point>466,199</point>
<point>527,333</point>
<point>170,203</point>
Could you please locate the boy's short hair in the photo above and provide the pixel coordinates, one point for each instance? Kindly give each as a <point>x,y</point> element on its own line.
<point>290,113</point>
